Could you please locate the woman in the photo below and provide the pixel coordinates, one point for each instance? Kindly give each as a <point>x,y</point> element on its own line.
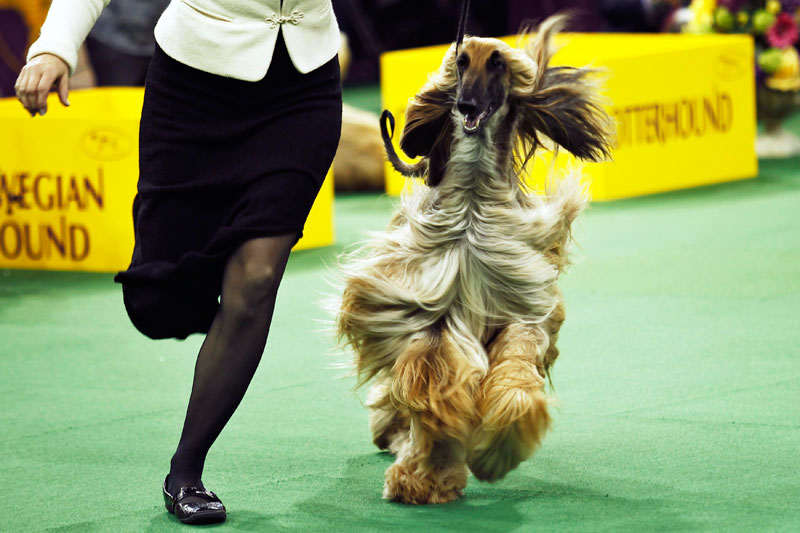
<point>241,118</point>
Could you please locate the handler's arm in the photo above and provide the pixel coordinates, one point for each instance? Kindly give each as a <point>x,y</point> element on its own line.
<point>53,57</point>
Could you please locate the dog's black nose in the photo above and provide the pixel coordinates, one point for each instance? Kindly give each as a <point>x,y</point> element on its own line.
<point>467,106</point>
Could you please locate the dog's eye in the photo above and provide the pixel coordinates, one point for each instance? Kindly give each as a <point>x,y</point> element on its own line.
<point>496,63</point>
<point>462,62</point>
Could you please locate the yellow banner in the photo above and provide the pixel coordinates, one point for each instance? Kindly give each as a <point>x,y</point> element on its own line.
<point>684,107</point>
<point>67,183</point>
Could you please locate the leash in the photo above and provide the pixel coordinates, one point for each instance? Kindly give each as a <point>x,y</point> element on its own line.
<point>462,24</point>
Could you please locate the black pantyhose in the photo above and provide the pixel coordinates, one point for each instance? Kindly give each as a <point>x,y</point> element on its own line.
<point>231,351</point>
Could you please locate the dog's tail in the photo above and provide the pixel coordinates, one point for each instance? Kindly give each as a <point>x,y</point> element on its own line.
<point>569,196</point>
<point>411,171</point>
<point>566,199</point>
<point>549,227</point>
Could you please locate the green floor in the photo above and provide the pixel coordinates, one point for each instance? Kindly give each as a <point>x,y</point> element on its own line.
<point>678,391</point>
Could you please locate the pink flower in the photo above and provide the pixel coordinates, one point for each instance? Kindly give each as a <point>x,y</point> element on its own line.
<point>784,32</point>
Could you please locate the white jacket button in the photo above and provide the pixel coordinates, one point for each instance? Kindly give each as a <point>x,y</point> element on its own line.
<point>295,17</point>
<point>275,20</point>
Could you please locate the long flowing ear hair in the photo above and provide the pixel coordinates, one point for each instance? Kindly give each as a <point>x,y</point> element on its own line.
<point>561,103</point>
<point>429,126</point>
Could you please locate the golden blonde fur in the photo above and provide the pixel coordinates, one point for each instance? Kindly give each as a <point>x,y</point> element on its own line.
<point>453,312</point>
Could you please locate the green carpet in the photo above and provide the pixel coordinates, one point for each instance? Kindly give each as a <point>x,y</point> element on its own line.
<point>678,391</point>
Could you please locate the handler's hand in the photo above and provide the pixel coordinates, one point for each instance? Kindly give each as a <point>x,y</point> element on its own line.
<point>37,78</point>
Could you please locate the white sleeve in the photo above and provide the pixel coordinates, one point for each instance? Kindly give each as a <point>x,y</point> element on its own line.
<point>66,27</point>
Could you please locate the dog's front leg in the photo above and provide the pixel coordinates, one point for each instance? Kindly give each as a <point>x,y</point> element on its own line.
<point>512,405</point>
<point>428,469</point>
<point>435,383</point>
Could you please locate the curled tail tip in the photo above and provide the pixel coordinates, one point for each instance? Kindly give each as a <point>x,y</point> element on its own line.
<point>387,132</point>
<point>387,125</point>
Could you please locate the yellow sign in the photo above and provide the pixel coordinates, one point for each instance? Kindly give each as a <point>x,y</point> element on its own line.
<point>684,107</point>
<point>67,183</point>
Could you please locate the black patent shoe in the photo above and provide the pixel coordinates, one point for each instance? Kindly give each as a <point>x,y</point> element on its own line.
<point>205,507</point>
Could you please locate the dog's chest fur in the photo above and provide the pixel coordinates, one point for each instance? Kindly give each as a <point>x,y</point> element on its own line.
<point>461,248</point>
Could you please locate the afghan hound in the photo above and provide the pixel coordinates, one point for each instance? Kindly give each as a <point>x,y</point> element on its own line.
<point>453,311</point>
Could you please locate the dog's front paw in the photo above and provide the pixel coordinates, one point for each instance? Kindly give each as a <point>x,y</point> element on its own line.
<point>495,453</point>
<point>406,485</point>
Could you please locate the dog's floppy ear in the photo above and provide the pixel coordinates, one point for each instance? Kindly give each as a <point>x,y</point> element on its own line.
<point>566,109</point>
<point>429,126</point>
<point>562,103</point>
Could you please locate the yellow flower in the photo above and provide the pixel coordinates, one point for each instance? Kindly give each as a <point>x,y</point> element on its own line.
<point>787,77</point>
<point>774,6</point>
<point>742,18</point>
<point>706,7</point>
<point>790,62</point>
<point>700,23</point>
<point>701,18</point>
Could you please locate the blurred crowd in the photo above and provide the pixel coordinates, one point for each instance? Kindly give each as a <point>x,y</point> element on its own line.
<point>378,25</point>
<point>119,47</point>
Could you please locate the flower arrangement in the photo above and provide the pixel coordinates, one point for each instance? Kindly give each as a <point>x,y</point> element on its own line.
<point>773,24</point>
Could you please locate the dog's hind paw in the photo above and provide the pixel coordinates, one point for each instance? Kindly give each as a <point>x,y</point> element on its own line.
<point>406,485</point>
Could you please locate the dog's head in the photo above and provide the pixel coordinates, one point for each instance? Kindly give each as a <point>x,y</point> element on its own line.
<point>484,81</point>
<point>486,84</point>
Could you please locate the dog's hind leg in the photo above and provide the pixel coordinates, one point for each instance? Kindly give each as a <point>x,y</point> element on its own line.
<point>436,383</point>
<point>390,423</point>
<point>512,404</point>
<point>551,327</point>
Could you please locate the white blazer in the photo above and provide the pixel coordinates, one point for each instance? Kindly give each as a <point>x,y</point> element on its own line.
<point>233,38</point>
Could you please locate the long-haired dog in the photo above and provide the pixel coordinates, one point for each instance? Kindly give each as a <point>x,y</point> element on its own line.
<point>454,311</point>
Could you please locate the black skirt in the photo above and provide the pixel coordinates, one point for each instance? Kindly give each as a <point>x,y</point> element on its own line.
<point>221,161</point>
